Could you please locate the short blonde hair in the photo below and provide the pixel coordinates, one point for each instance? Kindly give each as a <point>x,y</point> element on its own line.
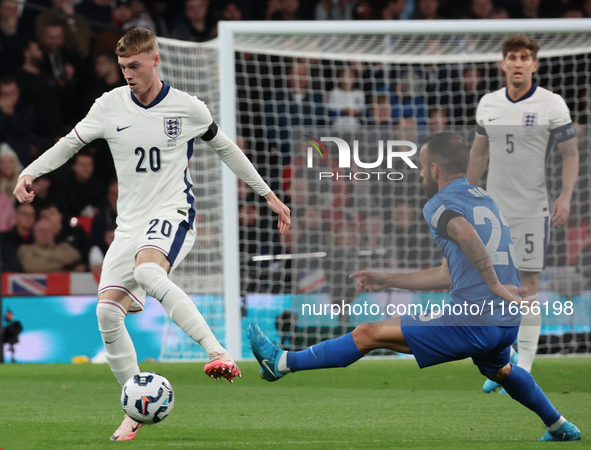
<point>136,41</point>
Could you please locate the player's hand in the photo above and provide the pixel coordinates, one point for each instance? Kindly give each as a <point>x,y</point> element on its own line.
<point>368,280</point>
<point>22,192</point>
<point>283,211</point>
<point>510,293</point>
<point>561,209</point>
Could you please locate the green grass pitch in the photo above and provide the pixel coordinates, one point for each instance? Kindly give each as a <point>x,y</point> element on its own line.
<point>382,404</point>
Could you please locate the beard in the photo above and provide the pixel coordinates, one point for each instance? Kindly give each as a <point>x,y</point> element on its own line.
<point>430,187</point>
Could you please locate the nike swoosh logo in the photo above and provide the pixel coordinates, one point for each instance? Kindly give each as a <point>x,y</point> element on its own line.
<point>264,363</point>
<point>110,342</point>
<point>495,118</point>
<point>150,238</point>
<point>133,430</point>
<point>125,128</point>
<point>528,259</point>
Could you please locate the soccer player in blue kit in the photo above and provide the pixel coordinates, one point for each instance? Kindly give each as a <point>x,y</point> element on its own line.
<point>462,219</point>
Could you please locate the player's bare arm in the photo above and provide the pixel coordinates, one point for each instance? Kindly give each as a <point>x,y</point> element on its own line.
<point>570,171</point>
<point>478,159</point>
<point>436,278</point>
<point>462,232</point>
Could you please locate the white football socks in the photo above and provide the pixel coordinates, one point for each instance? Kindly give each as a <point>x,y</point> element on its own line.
<point>556,425</point>
<point>282,364</point>
<point>527,338</point>
<point>120,350</point>
<point>154,280</point>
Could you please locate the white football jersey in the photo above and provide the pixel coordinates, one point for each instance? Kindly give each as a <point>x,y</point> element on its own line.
<point>151,146</point>
<point>521,134</point>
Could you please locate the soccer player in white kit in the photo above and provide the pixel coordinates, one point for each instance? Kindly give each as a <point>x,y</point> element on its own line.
<point>516,128</point>
<point>150,128</point>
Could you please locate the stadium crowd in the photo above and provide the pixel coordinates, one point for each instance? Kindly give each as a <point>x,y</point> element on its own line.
<point>57,56</point>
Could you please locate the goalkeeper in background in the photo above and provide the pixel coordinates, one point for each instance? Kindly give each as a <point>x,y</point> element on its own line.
<point>516,128</point>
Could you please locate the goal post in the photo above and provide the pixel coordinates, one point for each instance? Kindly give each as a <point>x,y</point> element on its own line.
<point>241,90</point>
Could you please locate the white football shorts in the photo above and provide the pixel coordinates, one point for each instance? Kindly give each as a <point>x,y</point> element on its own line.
<point>530,237</point>
<point>168,232</point>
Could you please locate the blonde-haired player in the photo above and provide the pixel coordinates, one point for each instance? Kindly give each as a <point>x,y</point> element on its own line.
<point>516,128</point>
<point>150,128</point>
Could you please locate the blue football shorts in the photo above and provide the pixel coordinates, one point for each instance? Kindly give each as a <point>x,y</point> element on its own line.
<point>444,341</point>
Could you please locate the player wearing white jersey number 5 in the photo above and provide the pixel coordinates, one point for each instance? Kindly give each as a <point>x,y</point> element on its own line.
<point>517,126</point>
<point>150,128</point>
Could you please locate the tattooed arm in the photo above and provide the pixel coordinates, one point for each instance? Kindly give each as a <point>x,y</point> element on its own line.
<point>462,232</point>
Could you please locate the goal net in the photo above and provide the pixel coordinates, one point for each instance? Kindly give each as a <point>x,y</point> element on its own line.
<point>295,86</point>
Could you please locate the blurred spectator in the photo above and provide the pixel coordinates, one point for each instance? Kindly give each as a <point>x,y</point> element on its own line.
<point>107,77</point>
<point>83,191</point>
<point>465,101</point>
<point>393,9</point>
<point>64,66</point>
<point>99,11</point>
<point>438,119</point>
<point>231,12</point>
<point>97,252</point>
<point>525,9</point>
<point>128,14</point>
<point>407,244</point>
<point>45,192</point>
<point>406,99</point>
<point>573,12</point>
<point>256,238</point>
<point>363,10</point>
<point>288,10</point>
<point>44,254</point>
<point>334,10</point>
<point>7,216</point>
<point>298,106</point>
<point>17,120</point>
<point>427,10</point>
<point>586,6</point>
<point>64,232</point>
<point>346,102</point>
<point>500,14</point>
<point>481,9</point>
<point>11,37</point>
<point>22,233</point>
<point>77,32</point>
<point>342,260</point>
<point>193,25</point>
<point>380,111</point>
<point>40,90</point>
<point>107,215</point>
<point>10,169</point>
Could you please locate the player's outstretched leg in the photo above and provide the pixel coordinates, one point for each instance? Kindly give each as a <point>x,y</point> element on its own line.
<point>127,430</point>
<point>275,363</point>
<point>490,385</point>
<point>154,280</point>
<point>521,386</point>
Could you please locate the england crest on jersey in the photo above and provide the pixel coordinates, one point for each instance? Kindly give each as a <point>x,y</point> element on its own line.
<point>172,127</point>
<point>530,120</point>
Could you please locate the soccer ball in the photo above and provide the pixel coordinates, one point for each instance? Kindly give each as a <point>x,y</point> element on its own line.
<point>147,398</point>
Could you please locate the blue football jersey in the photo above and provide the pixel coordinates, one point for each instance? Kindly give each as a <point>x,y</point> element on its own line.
<point>480,210</point>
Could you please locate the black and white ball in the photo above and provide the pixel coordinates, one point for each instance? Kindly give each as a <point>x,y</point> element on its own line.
<point>147,398</point>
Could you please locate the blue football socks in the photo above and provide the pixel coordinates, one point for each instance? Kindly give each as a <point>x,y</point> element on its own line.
<point>521,386</point>
<point>339,352</point>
